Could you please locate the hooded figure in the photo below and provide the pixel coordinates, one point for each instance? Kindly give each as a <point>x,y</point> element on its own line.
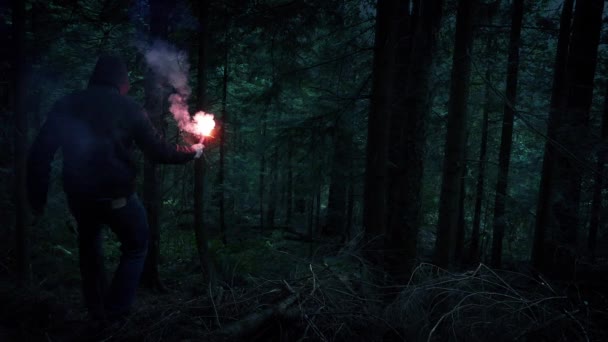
<point>97,129</point>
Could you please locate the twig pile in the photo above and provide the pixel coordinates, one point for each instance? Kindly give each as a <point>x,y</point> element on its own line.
<point>484,305</point>
<point>320,304</point>
<point>324,302</point>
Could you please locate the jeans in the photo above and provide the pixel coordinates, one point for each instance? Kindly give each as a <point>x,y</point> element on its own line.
<point>130,225</point>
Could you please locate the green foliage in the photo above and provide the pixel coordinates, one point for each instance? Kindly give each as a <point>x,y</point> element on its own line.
<point>298,78</point>
<point>261,256</point>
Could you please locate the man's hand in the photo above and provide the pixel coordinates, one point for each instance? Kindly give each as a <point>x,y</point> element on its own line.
<point>199,150</point>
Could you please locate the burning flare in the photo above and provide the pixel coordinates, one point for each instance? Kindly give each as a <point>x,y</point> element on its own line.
<point>202,124</point>
<point>172,64</point>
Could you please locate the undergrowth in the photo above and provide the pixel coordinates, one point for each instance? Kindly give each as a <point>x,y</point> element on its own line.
<point>269,288</point>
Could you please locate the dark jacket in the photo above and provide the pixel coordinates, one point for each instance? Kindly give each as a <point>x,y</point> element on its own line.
<point>96,129</point>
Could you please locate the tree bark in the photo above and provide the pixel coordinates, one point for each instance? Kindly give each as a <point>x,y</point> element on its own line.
<point>336,202</point>
<point>341,168</point>
<point>311,214</point>
<point>22,250</point>
<point>396,256</point>
<point>262,171</point>
<point>461,226</point>
<point>573,130</point>
<point>289,197</point>
<point>453,161</point>
<point>557,96</point>
<point>317,217</point>
<point>349,208</point>
<point>598,185</point>
<point>222,217</point>
<point>374,212</point>
<point>474,252</point>
<point>152,197</point>
<point>414,60</point>
<point>506,142</point>
<point>271,208</point>
<point>200,233</point>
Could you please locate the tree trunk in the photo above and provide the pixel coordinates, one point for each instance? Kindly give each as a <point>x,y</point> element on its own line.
<point>200,233</point>
<point>506,142</point>
<point>22,250</point>
<point>262,170</point>
<point>573,130</point>
<point>222,218</point>
<point>453,161</point>
<point>341,168</point>
<point>461,226</point>
<point>557,95</point>
<point>274,188</point>
<point>474,248</point>
<point>312,191</point>
<point>151,193</point>
<point>598,185</point>
<point>336,202</point>
<point>36,87</point>
<point>289,197</point>
<point>408,129</point>
<point>398,222</point>
<point>311,212</point>
<point>374,215</point>
<point>318,205</point>
<point>349,209</point>
<point>159,17</point>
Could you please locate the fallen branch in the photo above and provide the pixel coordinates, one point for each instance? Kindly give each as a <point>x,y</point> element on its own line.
<point>255,320</point>
<point>304,239</point>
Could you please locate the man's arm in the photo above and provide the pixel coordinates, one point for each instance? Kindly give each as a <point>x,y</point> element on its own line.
<point>42,153</point>
<point>155,148</point>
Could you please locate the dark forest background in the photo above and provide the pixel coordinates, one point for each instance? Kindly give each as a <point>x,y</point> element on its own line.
<point>380,170</point>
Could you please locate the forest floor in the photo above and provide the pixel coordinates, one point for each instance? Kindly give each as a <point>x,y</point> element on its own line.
<point>270,287</point>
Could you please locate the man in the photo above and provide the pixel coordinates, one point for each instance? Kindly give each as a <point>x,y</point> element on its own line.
<point>96,129</point>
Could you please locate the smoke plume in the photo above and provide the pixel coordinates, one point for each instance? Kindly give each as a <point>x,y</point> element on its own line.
<point>172,65</point>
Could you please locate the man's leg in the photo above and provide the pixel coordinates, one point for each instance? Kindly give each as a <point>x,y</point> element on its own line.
<point>92,269</point>
<point>130,224</point>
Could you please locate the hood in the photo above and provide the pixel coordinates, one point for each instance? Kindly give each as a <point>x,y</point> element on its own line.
<point>110,70</point>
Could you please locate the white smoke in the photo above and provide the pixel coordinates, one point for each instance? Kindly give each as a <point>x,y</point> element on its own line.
<point>172,65</point>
